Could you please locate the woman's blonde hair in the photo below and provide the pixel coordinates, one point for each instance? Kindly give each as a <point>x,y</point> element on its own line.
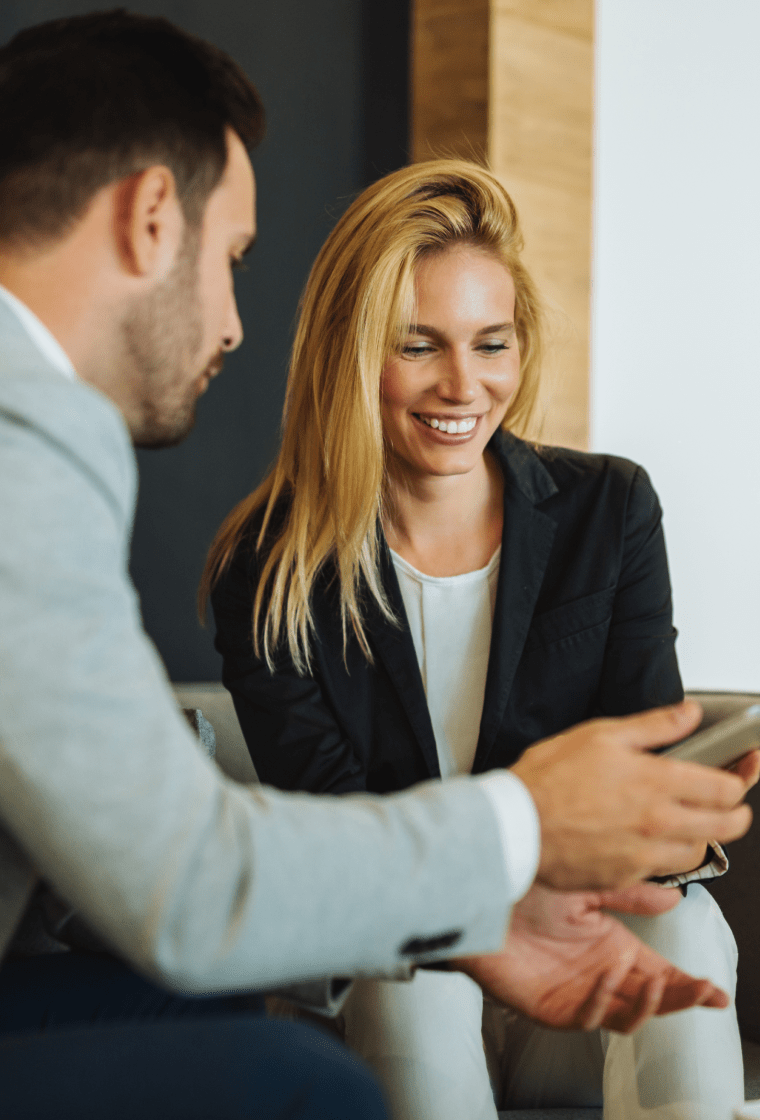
<point>357,306</point>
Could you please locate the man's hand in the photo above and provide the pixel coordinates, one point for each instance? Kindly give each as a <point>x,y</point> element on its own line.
<point>568,965</point>
<point>612,813</point>
<point>748,769</point>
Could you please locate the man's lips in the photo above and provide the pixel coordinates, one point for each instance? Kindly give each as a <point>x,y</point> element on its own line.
<point>212,370</point>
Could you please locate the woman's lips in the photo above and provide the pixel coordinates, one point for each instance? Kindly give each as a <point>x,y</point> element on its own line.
<point>437,427</point>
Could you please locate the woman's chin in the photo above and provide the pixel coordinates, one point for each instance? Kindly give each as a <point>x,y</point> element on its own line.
<point>440,463</point>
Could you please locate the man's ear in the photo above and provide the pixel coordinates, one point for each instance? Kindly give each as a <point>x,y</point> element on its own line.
<point>149,222</point>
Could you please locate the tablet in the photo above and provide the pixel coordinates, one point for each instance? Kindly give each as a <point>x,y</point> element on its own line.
<point>723,743</point>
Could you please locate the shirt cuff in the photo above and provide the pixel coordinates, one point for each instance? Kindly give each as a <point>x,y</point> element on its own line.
<point>519,828</point>
<point>715,865</point>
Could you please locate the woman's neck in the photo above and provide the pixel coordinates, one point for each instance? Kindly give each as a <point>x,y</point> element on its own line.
<point>445,526</point>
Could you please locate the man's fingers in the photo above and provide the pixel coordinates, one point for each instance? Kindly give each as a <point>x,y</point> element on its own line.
<point>659,727</point>
<point>611,811</point>
<point>748,769</point>
<point>684,824</point>
<point>702,786</point>
<point>671,857</point>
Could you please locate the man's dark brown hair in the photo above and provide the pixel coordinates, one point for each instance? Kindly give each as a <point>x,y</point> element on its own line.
<point>92,99</point>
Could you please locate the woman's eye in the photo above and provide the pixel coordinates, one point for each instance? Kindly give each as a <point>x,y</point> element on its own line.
<point>493,347</point>
<point>414,349</point>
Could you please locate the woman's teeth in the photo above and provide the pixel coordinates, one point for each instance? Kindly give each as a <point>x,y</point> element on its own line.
<point>452,427</point>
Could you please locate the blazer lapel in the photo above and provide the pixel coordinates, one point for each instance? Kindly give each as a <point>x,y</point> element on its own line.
<point>395,648</point>
<point>527,540</point>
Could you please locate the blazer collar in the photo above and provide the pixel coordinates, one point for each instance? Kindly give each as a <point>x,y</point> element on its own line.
<point>526,543</point>
<point>527,539</point>
<point>522,466</point>
<point>395,648</point>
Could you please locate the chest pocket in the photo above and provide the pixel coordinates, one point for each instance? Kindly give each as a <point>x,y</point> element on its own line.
<point>570,623</point>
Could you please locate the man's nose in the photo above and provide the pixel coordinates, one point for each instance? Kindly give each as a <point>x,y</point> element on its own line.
<point>233,334</point>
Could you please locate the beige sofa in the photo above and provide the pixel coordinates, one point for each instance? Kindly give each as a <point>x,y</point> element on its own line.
<point>737,892</point>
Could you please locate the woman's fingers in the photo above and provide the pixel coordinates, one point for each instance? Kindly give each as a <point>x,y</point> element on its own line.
<point>713,996</point>
<point>685,991</point>
<point>607,991</point>
<point>641,898</point>
<point>647,1005</point>
<point>642,993</point>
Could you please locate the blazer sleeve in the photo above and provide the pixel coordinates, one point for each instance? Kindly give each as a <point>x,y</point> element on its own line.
<point>640,669</point>
<point>204,884</point>
<point>293,735</point>
<point>640,666</point>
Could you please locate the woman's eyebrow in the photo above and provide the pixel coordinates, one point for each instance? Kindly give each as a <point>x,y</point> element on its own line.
<point>495,328</point>
<point>431,332</point>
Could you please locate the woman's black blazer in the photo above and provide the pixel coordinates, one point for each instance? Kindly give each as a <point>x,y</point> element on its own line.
<point>582,627</point>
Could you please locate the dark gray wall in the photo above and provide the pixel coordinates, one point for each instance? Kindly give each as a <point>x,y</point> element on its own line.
<point>333,76</point>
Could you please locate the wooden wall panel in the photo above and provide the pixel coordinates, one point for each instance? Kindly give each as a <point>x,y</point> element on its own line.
<point>512,80</point>
<point>540,146</point>
<point>449,69</point>
<point>573,16</point>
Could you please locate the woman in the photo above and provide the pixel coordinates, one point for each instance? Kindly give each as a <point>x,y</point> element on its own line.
<point>415,592</point>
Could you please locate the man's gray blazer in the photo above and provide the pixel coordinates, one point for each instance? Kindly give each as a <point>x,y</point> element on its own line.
<point>201,883</point>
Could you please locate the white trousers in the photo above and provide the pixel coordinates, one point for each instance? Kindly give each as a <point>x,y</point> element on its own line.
<point>424,1041</point>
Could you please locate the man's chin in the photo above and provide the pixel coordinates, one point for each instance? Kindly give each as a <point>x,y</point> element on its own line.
<point>158,433</point>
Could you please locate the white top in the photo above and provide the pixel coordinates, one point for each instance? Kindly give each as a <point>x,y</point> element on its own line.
<point>450,619</point>
<point>48,346</point>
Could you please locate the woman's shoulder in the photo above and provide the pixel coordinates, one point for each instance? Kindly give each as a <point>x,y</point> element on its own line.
<point>241,571</point>
<point>548,470</point>
<point>570,463</point>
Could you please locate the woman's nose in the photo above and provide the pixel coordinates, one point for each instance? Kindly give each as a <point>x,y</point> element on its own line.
<point>457,381</point>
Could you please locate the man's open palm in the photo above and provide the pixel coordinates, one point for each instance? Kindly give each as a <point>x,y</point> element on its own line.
<point>569,965</point>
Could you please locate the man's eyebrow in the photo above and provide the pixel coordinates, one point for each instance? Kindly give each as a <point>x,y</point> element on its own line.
<point>494,328</point>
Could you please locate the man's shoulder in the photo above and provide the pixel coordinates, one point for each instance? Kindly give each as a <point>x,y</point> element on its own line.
<point>63,424</point>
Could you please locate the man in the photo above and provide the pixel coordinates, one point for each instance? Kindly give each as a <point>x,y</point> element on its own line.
<point>126,198</point>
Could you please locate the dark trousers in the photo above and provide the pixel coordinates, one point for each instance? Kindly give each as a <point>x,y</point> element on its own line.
<point>82,1037</point>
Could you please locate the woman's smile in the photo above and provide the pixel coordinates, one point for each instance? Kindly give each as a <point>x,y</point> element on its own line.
<point>448,388</point>
<point>447,426</point>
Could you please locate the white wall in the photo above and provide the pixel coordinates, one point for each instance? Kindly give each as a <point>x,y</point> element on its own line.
<point>676,307</point>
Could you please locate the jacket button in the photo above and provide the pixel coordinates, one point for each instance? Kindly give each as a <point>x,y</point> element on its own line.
<point>416,946</point>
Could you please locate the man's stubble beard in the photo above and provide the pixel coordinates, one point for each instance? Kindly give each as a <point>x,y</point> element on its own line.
<point>162,335</point>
